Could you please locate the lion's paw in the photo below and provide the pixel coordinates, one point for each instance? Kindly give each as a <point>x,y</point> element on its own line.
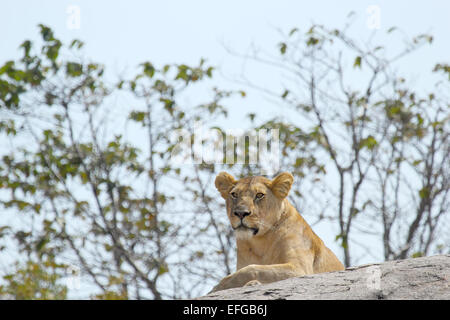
<point>252,283</point>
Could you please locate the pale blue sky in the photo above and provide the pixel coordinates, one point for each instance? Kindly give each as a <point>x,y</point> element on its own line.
<point>122,34</point>
<point>126,33</point>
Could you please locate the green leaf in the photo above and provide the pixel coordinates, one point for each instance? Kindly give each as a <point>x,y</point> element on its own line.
<point>52,51</point>
<point>442,67</point>
<point>336,32</point>
<point>424,192</point>
<point>391,29</point>
<point>46,32</point>
<point>84,177</point>
<point>182,73</point>
<point>378,48</point>
<point>168,104</point>
<point>137,116</point>
<point>21,204</point>
<point>162,269</point>
<point>370,143</point>
<point>26,45</point>
<point>422,37</point>
<point>77,44</point>
<point>49,98</point>
<point>4,230</point>
<point>37,208</point>
<point>41,244</point>
<point>209,71</point>
<point>9,127</point>
<point>149,69</point>
<point>343,239</point>
<point>6,67</point>
<point>299,162</point>
<point>311,30</point>
<point>357,62</point>
<point>166,68</point>
<point>74,69</point>
<point>354,211</point>
<point>312,41</point>
<point>283,47</point>
<point>294,30</point>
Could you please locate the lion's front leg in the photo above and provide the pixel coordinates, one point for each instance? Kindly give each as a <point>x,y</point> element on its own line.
<point>237,279</point>
<point>260,273</point>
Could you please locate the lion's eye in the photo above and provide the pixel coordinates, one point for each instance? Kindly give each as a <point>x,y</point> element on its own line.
<point>259,195</point>
<point>234,195</point>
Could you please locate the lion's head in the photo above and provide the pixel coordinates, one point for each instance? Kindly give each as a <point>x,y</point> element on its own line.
<point>254,204</point>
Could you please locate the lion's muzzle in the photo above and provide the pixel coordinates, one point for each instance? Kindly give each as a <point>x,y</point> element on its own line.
<point>242,214</point>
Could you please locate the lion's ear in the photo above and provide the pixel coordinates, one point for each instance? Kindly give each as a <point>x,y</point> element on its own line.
<point>224,183</point>
<point>281,184</point>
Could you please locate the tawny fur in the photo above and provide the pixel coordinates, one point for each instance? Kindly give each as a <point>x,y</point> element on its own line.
<point>276,242</point>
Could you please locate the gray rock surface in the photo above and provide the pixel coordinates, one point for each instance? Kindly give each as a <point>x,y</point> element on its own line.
<point>418,278</point>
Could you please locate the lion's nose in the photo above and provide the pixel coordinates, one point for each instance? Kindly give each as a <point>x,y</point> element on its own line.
<point>242,214</point>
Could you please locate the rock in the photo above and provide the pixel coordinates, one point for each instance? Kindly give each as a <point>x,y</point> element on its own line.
<point>417,278</point>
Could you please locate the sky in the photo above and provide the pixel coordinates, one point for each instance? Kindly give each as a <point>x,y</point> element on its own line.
<point>123,34</point>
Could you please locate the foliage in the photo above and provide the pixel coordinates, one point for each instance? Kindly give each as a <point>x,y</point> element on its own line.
<point>385,144</point>
<point>36,280</point>
<point>94,197</point>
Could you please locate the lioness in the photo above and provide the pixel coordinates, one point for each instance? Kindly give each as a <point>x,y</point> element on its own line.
<point>273,241</point>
